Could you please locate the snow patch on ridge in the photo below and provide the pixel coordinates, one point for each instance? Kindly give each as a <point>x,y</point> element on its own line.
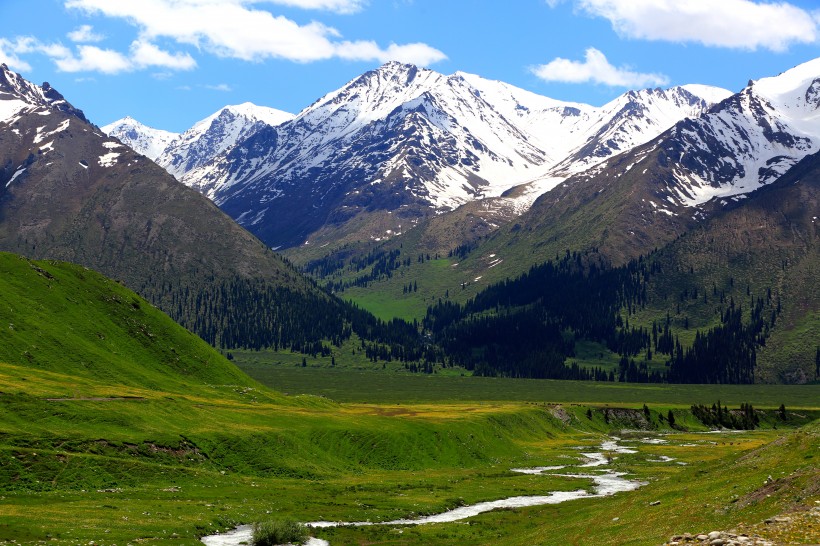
<point>109,159</point>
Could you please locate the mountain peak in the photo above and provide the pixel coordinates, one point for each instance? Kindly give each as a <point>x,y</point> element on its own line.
<point>709,93</point>
<point>398,66</point>
<point>796,79</point>
<point>267,115</point>
<point>216,134</point>
<point>18,88</point>
<point>139,137</point>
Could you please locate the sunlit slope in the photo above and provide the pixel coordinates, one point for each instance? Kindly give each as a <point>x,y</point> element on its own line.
<point>64,318</point>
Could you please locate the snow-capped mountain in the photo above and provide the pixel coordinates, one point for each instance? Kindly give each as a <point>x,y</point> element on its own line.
<point>146,140</point>
<point>18,95</point>
<point>746,141</point>
<point>215,134</point>
<point>702,167</point>
<point>402,137</point>
<point>68,191</point>
<point>623,124</point>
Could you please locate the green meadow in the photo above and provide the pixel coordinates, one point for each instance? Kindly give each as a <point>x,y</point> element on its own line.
<point>396,386</point>
<point>119,427</point>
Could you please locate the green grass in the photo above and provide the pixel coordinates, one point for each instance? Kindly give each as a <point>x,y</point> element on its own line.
<point>386,299</point>
<point>273,532</point>
<point>65,318</point>
<point>116,439</point>
<point>718,490</point>
<point>346,385</point>
<point>349,356</point>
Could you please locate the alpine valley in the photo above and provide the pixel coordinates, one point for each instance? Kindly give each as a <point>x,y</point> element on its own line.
<point>407,189</point>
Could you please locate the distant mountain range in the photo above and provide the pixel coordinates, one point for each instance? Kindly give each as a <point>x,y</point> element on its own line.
<point>401,144</point>
<point>408,142</point>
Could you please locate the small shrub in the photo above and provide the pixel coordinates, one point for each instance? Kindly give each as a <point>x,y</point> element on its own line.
<point>273,532</point>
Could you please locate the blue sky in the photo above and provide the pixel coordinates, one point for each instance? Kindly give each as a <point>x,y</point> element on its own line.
<point>169,63</point>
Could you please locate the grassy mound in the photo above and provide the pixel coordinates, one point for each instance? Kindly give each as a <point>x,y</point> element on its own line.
<point>62,318</point>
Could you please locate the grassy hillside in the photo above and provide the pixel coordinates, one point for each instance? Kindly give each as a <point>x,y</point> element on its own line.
<point>63,318</point>
<point>118,426</point>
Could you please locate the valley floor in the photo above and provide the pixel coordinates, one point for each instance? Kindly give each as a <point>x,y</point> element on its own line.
<point>92,466</point>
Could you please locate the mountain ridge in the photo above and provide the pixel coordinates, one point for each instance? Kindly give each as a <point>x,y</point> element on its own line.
<point>410,142</point>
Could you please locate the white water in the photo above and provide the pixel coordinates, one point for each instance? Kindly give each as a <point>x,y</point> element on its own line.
<point>605,483</point>
<point>243,535</point>
<point>536,470</point>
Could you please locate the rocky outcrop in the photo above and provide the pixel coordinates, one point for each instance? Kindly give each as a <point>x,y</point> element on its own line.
<point>800,527</point>
<point>718,538</point>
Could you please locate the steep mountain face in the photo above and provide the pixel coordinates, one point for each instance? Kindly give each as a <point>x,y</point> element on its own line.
<point>17,96</point>
<point>214,135</point>
<point>748,140</point>
<point>768,243</point>
<point>648,196</point>
<point>410,142</point>
<point>146,140</point>
<point>70,192</point>
<point>636,118</point>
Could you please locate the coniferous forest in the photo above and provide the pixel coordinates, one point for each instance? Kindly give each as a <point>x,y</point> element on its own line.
<point>528,326</point>
<point>524,327</point>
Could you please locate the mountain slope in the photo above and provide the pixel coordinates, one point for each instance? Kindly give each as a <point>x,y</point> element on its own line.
<point>770,243</point>
<point>69,192</point>
<point>752,138</point>
<point>146,140</point>
<point>401,143</point>
<point>734,299</point>
<point>641,199</point>
<point>66,319</point>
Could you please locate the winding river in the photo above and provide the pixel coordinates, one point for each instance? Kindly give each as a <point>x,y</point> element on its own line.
<point>605,482</point>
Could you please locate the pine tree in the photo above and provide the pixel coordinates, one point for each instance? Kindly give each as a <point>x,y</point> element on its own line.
<point>817,364</point>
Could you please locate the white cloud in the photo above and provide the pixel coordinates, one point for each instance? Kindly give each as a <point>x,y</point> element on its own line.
<point>220,87</point>
<point>595,68</point>
<point>93,59</point>
<point>420,54</point>
<point>85,34</point>
<point>10,58</point>
<point>145,54</point>
<point>89,58</point>
<point>737,24</point>
<point>235,29</point>
<point>338,6</point>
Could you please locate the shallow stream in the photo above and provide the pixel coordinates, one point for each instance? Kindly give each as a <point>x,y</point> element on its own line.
<point>606,482</point>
